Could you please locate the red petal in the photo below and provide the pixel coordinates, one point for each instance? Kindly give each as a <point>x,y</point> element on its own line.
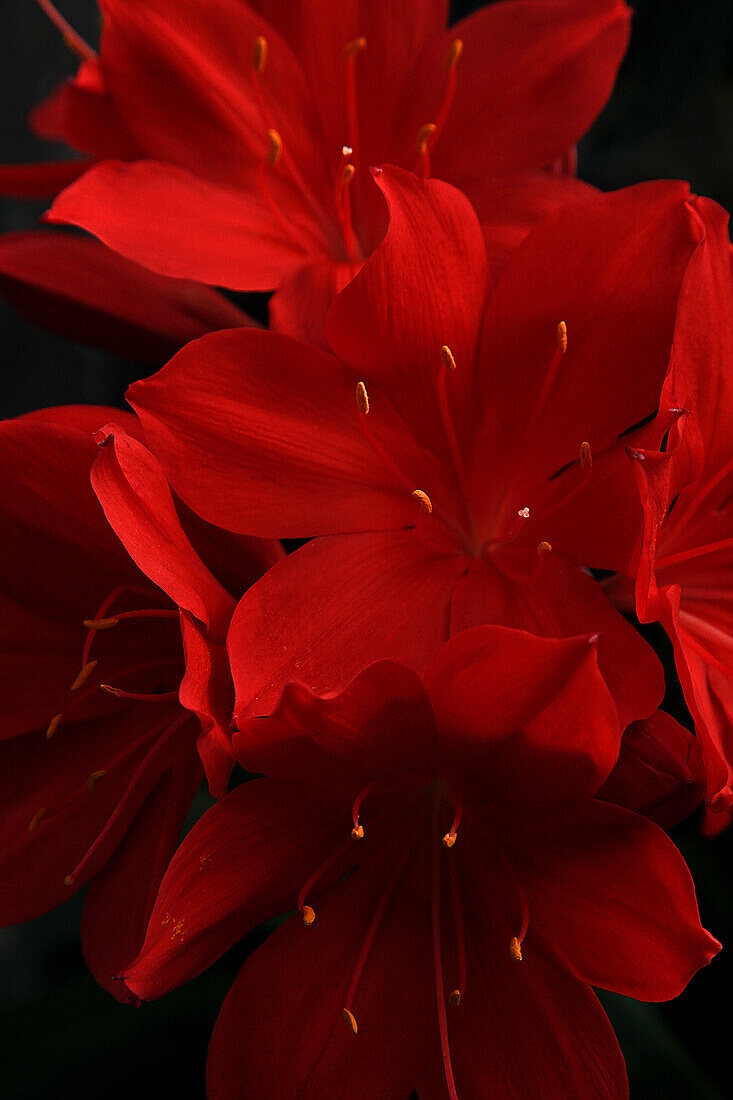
<point>659,772</point>
<point>554,66</point>
<point>564,602</point>
<point>40,181</point>
<point>612,271</point>
<point>78,288</point>
<point>242,863</point>
<point>120,899</point>
<point>182,78</point>
<point>515,709</point>
<point>177,224</point>
<point>54,775</point>
<point>138,504</point>
<point>339,595</point>
<point>207,690</point>
<point>381,723</point>
<point>424,287</point>
<point>298,980</point>
<point>82,113</point>
<point>610,893</point>
<point>237,403</point>
<point>509,206</point>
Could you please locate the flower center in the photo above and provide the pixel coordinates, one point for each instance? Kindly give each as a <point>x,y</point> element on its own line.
<point>277,157</point>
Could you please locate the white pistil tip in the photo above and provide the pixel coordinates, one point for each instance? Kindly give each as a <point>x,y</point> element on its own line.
<point>346,150</point>
<point>523,513</point>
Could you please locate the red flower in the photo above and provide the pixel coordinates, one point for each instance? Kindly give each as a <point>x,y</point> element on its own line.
<point>457,929</point>
<point>250,127</point>
<point>507,452</point>
<point>686,562</point>
<point>95,784</point>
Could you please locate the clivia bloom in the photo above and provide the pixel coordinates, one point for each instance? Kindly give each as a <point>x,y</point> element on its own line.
<point>98,757</point>
<point>685,564</point>
<point>446,497</point>
<point>458,887</point>
<point>246,130</point>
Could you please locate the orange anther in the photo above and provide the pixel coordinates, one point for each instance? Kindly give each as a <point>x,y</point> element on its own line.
<point>358,832</point>
<point>543,548</point>
<point>455,997</point>
<point>276,147</point>
<point>515,949</point>
<point>92,780</point>
<point>69,880</point>
<point>447,356</point>
<point>83,675</point>
<point>53,725</point>
<point>100,624</point>
<point>423,136</point>
<point>449,840</point>
<point>586,458</point>
<point>259,54</point>
<point>38,816</point>
<point>347,175</point>
<point>423,500</point>
<point>562,337</point>
<point>350,1020</point>
<point>362,399</point>
<point>309,915</point>
<point>454,53</point>
<point>351,49</point>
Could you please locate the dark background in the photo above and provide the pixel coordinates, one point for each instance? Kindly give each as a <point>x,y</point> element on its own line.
<point>671,116</point>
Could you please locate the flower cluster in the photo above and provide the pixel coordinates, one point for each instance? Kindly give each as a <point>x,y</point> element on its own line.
<point>492,408</point>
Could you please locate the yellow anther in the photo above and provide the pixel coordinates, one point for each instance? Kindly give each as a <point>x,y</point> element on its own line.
<point>347,175</point>
<point>351,1021</point>
<point>586,458</point>
<point>515,949</point>
<point>449,840</point>
<point>543,548</point>
<point>100,624</point>
<point>53,725</point>
<point>455,997</point>
<point>423,136</point>
<point>276,147</point>
<point>562,337</point>
<point>351,49</point>
<point>259,54</point>
<point>362,399</point>
<point>423,500</point>
<point>38,816</point>
<point>454,53</point>
<point>92,780</point>
<point>358,832</point>
<point>69,880</point>
<point>83,675</point>
<point>309,915</point>
<point>447,356</point>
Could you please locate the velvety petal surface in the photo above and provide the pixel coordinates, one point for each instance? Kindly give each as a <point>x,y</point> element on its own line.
<point>327,611</point>
<point>260,433</point>
<point>242,863</point>
<point>612,895</point>
<point>175,223</point>
<point>84,291</point>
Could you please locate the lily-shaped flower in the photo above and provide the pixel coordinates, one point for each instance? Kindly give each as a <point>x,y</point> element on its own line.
<point>249,128</point>
<point>452,449</point>
<point>458,887</point>
<point>686,560</point>
<point>98,756</point>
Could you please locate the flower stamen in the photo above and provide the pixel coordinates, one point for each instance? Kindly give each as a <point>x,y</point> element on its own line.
<point>72,38</point>
<point>350,52</point>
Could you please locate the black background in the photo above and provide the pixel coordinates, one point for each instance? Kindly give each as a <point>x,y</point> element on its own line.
<point>671,116</point>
